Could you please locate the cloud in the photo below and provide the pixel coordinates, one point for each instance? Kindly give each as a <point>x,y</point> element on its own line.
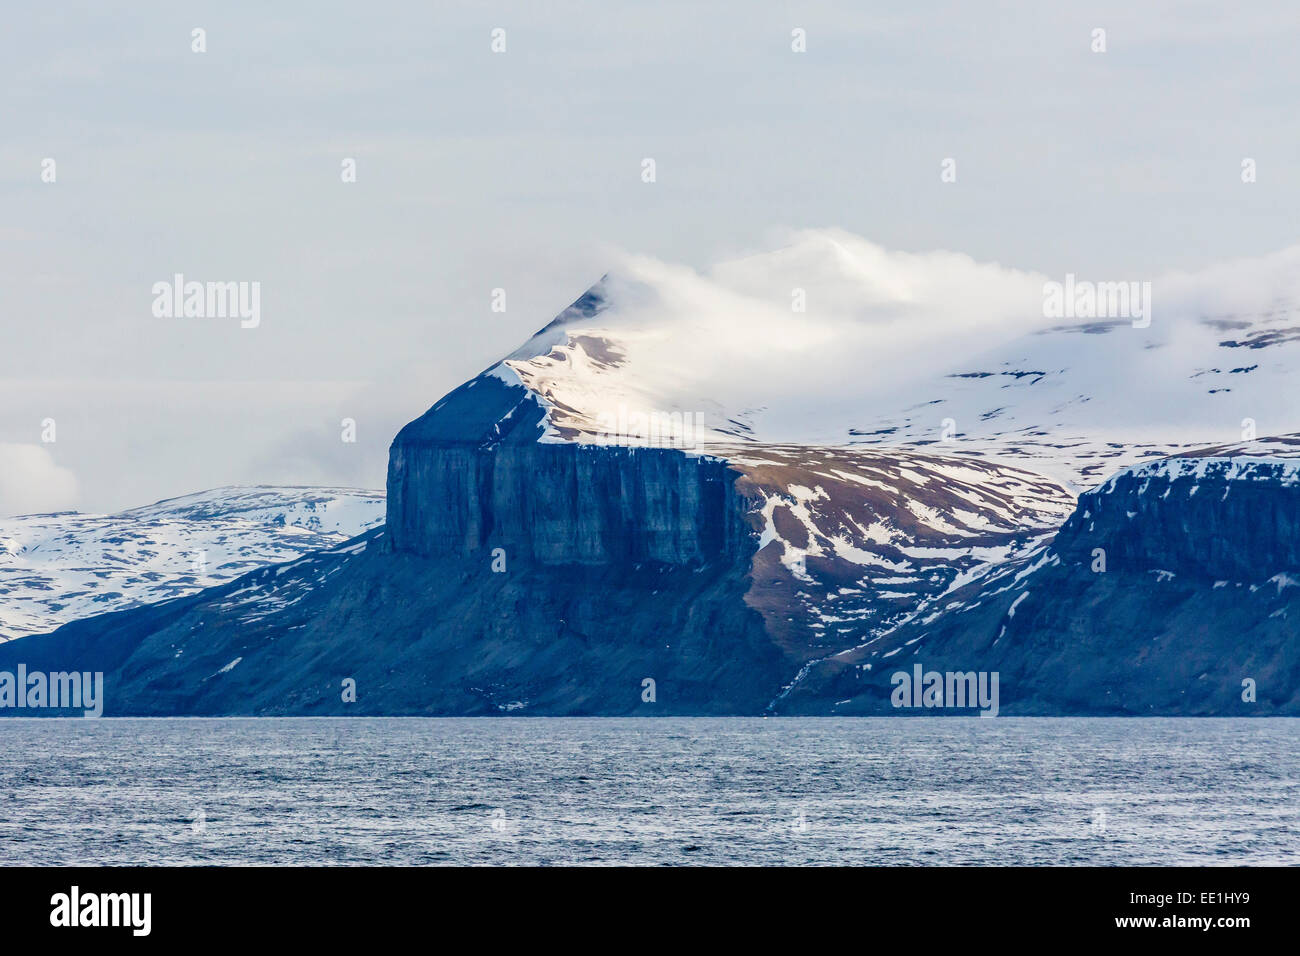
<point>832,335</point>
<point>30,481</point>
<point>827,319</point>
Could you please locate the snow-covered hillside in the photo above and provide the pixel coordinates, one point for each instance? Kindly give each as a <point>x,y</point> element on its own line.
<point>57,568</point>
<point>835,341</point>
<point>853,541</point>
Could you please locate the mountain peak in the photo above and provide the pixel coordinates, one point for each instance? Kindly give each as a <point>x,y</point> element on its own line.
<point>833,340</point>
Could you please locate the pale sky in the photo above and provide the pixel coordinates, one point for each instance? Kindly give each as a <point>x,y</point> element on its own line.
<point>522,170</point>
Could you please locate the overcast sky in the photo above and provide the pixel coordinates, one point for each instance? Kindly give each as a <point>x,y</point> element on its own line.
<point>522,170</point>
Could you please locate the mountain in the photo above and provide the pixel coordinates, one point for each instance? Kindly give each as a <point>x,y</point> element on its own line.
<point>57,568</point>
<point>1170,588</point>
<point>833,341</point>
<point>748,490</point>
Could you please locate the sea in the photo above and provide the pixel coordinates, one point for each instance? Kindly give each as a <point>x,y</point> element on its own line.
<point>650,791</point>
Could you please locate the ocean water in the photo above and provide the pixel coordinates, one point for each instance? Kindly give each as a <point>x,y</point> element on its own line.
<point>650,791</point>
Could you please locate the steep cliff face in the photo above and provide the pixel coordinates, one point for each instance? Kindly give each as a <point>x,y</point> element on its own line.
<point>566,504</point>
<point>477,472</point>
<point>1220,518</point>
<point>1173,589</point>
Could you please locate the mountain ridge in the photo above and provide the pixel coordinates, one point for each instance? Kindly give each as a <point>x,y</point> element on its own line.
<point>615,503</point>
<point>56,568</point>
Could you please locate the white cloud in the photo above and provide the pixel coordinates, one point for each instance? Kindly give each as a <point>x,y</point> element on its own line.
<point>31,482</point>
<point>897,343</point>
<point>869,321</point>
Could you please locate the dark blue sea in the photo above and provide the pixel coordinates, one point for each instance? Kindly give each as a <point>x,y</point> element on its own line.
<point>650,791</point>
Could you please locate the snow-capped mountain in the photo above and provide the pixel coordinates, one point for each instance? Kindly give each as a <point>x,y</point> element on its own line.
<point>834,341</point>
<point>57,568</point>
<point>754,486</point>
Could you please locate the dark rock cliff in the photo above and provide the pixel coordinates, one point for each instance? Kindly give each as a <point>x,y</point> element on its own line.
<point>1219,518</point>
<point>471,475</point>
<point>566,504</point>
